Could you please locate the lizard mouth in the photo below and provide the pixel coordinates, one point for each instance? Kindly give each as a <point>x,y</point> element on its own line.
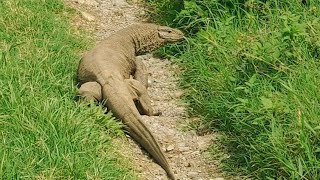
<point>177,38</point>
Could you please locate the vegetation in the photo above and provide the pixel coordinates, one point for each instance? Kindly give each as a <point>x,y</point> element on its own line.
<point>44,133</point>
<point>252,71</point>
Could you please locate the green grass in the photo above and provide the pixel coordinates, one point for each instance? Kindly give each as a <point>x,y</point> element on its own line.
<point>251,70</point>
<point>44,133</point>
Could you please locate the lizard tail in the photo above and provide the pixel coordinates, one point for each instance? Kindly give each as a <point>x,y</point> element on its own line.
<point>140,133</point>
<point>120,102</point>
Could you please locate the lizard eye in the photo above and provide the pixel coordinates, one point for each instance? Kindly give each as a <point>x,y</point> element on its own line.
<point>169,31</point>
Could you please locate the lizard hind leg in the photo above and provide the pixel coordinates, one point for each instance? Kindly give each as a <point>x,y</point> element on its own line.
<point>90,91</point>
<point>140,97</point>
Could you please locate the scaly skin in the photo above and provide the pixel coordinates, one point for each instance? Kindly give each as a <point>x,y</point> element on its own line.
<point>104,74</point>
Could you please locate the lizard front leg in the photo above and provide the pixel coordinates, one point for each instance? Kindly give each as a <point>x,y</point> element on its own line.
<point>141,72</point>
<point>140,97</point>
<point>90,91</point>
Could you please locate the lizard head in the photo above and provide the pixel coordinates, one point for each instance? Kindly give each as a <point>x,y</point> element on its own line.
<point>149,37</point>
<point>168,34</point>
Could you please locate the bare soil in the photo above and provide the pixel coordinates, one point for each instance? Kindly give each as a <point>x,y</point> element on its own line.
<point>186,151</point>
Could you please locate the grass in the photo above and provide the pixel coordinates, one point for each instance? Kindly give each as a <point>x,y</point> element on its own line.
<point>44,133</point>
<point>251,70</point>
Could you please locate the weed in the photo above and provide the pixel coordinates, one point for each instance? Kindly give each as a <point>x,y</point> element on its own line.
<point>44,134</point>
<point>252,71</point>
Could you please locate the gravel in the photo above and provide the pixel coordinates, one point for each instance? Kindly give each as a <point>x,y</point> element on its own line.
<point>186,151</point>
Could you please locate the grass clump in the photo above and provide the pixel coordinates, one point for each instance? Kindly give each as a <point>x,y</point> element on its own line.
<point>44,134</point>
<point>252,71</point>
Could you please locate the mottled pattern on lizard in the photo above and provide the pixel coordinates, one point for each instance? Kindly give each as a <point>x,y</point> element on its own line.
<point>104,75</point>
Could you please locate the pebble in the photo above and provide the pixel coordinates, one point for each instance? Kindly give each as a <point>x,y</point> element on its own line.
<point>187,164</point>
<point>184,148</point>
<point>120,3</point>
<point>87,16</point>
<point>150,83</point>
<point>203,145</point>
<point>170,148</point>
<point>163,92</point>
<point>192,174</point>
<point>87,2</point>
<point>178,94</point>
<point>219,178</point>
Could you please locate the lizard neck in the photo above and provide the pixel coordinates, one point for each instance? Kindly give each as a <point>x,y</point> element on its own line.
<point>122,42</point>
<point>145,38</point>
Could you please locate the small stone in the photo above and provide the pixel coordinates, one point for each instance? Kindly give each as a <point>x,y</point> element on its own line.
<point>170,148</point>
<point>192,174</point>
<point>178,94</point>
<point>219,178</point>
<point>186,152</point>
<point>195,152</point>
<point>87,2</point>
<point>170,156</point>
<point>120,3</point>
<point>157,98</point>
<point>184,148</point>
<point>203,144</point>
<point>87,16</point>
<point>187,164</point>
<point>150,83</point>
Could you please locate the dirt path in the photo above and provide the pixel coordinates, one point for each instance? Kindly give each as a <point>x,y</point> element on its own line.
<point>186,152</point>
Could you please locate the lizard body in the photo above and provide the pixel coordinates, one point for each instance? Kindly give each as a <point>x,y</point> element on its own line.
<point>104,74</point>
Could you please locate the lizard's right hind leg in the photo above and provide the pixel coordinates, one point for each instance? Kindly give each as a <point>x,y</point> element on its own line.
<point>140,97</point>
<point>90,91</point>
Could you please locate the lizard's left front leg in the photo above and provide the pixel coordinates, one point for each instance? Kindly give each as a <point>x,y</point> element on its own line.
<point>141,72</point>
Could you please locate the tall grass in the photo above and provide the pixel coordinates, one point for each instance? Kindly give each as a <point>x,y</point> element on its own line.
<point>44,133</point>
<point>252,71</point>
